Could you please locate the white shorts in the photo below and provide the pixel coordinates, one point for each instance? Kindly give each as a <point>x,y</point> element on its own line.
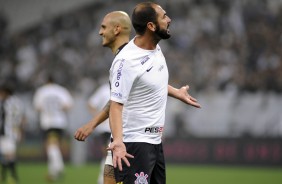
<point>7,145</point>
<point>109,158</point>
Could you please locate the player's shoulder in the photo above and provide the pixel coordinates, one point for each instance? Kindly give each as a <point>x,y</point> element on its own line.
<point>52,89</point>
<point>130,56</point>
<point>14,100</point>
<point>129,51</point>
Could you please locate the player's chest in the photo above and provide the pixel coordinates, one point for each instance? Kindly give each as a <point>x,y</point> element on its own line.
<point>154,73</point>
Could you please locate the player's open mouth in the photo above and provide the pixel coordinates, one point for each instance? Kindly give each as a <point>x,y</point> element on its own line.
<point>167,29</point>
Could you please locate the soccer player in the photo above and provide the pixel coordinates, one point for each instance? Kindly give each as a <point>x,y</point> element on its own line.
<point>115,32</point>
<point>139,89</point>
<point>11,124</point>
<point>52,101</point>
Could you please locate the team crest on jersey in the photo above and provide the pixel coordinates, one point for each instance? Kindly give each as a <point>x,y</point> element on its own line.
<point>141,178</point>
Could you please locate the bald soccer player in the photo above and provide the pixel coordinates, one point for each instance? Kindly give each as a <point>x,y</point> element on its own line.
<point>115,32</point>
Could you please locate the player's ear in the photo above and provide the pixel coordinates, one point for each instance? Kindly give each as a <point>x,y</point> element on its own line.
<point>117,29</point>
<point>151,26</point>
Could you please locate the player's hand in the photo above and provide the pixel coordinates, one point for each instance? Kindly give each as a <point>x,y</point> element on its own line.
<point>119,154</point>
<point>83,132</point>
<point>186,98</point>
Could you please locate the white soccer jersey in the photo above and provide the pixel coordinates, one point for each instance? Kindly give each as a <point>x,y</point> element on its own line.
<point>139,80</point>
<point>50,99</point>
<point>98,100</point>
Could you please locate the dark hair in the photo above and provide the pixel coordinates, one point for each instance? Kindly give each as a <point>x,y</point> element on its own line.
<point>6,89</point>
<point>142,14</point>
<point>50,79</point>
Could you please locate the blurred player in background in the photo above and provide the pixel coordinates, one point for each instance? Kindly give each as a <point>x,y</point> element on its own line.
<point>11,125</point>
<point>115,31</point>
<point>52,101</point>
<point>96,103</point>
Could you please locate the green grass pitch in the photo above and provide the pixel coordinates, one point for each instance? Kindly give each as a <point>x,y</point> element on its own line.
<point>34,173</point>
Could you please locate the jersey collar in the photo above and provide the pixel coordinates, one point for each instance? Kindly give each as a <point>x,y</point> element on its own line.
<point>120,48</point>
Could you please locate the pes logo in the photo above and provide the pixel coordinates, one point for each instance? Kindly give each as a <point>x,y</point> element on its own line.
<point>154,130</point>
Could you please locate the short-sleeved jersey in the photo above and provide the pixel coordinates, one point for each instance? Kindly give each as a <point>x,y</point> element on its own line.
<point>98,100</point>
<point>51,99</point>
<point>139,81</point>
<point>14,114</point>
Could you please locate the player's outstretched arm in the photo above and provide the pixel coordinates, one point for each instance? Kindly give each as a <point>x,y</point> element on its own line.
<point>183,95</point>
<point>83,132</point>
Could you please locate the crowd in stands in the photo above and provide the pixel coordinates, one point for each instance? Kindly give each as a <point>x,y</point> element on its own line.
<point>215,45</point>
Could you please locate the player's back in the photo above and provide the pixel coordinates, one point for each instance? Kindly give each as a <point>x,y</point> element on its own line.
<point>52,100</point>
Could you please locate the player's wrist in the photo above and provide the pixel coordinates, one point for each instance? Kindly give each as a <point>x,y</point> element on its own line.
<point>118,139</point>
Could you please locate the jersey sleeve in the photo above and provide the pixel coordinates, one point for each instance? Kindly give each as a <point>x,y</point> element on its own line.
<point>66,98</point>
<point>100,97</point>
<point>94,100</point>
<point>122,78</point>
<point>37,100</point>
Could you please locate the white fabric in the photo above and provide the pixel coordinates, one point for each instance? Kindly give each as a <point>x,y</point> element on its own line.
<point>109,158</point>
<point>7,145</point>
<point>55,160</point>
<point>101,173</point>
<point>51,99</point>
<point>98,101</point>
<point>13,117</point>
<point>139,80</point>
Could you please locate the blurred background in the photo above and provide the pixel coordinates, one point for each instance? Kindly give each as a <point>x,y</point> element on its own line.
<point>228,52</point>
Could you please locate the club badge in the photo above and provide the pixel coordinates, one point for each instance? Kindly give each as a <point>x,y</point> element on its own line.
<point>141,178</point>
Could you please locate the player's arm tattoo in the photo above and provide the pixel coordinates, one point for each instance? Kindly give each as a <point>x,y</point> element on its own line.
<point>109,171</point>
<point>106,108</point>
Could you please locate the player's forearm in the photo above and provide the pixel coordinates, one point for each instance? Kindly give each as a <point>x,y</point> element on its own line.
<point>172,92</point>
<point>116,120</point>
<point>106,108</point>
<point>92,110</point>
<point>101,116</point>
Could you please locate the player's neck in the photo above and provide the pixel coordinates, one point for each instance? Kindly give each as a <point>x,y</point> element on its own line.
<point>146,42</point>
<point>118,44</point>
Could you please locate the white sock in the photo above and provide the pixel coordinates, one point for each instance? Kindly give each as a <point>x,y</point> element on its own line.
<point>55,160</point>
<point>101,174</point>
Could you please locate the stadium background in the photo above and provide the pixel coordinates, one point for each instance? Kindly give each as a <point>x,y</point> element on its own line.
<point>229,52</point>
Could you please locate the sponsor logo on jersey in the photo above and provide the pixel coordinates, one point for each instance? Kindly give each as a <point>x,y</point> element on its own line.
<point>149,69</point>
<point>154,130</point>
<point>144,60</point>
<point>141,178</point>
<point>118,95</point>
<point>161,68</point>
<point>120,69</point>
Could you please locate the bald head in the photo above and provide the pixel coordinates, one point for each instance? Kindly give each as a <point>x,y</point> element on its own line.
<point>115,30</point>
<point>120,18</point>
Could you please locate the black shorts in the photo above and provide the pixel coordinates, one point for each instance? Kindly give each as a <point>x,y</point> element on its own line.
<point>59,133</point>
<point>147,166</point>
